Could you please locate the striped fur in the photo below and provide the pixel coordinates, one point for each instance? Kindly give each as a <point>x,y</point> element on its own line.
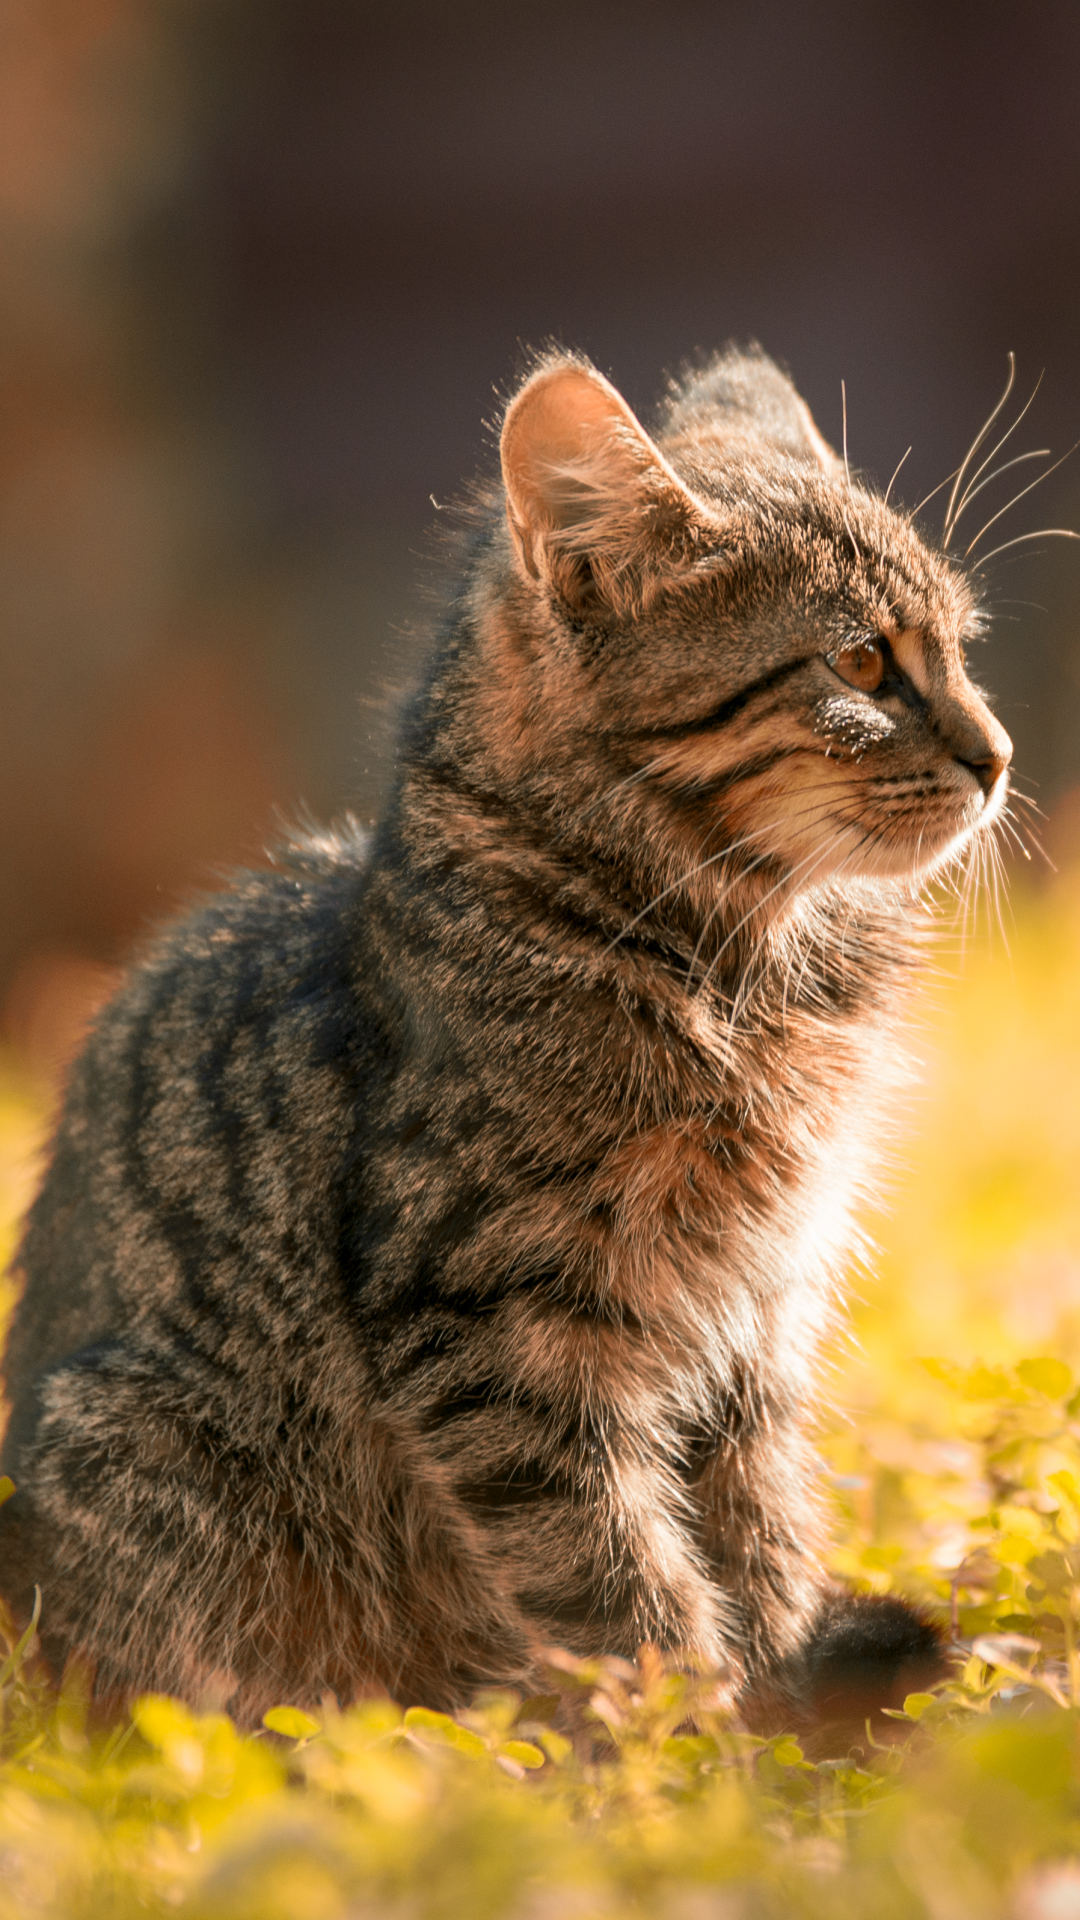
<point>439,1233</point>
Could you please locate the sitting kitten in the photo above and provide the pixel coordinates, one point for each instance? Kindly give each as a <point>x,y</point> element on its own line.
<point>438,1234</point>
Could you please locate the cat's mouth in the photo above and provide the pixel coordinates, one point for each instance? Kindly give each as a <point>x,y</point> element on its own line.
<point>918,838</point>
<point>901,826</point>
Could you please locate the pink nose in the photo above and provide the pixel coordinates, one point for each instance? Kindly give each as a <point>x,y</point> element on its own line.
<point>989,771</point>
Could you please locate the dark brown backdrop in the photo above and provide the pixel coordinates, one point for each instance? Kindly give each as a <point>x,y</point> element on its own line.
<point>266,267</point>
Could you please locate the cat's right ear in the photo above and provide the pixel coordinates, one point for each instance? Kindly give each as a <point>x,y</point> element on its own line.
<point>595,511</point>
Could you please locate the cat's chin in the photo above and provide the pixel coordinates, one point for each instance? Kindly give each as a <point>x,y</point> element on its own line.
<point>915,858</point>
<point>976,816</point>
<point>929,856</point>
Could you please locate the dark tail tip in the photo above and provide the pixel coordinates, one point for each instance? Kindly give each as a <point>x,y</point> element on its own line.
<point>869,1651</point>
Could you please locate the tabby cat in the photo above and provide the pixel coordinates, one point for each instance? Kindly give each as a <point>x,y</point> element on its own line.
<point>438,1232</point>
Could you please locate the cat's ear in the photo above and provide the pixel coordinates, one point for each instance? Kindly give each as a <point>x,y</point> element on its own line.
<point>742,397</point>
<point>595,510</point>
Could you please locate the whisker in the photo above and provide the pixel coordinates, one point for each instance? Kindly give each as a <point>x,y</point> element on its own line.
<point>1037,453</point>
<point>927,497</point>
<point>631,779</point>
<point>994,451</point>
<point>804,815</point>
<point>1033,837</point>
<point>976,444</point>
<point>684,878</point>
<point>1044,533</point>
<point>736,846</point>
<point>896,470</point>
<point>712,913</point>
<point>843,403</point>
<point>1008,826</point>
<point>1027,798</point>
<point>994,862</point>
<point>816,853</point>
<point>1037,482</point>
<point>748,981</point>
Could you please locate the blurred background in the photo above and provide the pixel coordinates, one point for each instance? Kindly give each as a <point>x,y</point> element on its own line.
<point>265,268</point>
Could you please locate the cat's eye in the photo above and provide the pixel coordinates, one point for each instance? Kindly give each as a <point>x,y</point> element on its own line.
<point>862,665</point>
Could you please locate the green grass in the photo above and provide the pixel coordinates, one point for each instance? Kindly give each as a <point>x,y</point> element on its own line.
<point>957,1480</point>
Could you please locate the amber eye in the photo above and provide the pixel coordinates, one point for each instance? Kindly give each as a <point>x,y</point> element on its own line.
<point>862,665</point>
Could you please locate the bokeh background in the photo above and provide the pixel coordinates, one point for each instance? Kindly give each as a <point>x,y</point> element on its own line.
<point>265,267</point>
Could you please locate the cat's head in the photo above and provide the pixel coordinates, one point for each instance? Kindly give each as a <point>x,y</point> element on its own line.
<point>714,638</point>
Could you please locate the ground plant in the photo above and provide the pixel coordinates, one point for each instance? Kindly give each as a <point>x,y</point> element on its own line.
<point>951,1440</point>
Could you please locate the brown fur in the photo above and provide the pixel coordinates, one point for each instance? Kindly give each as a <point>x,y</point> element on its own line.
<point>438,1237</point>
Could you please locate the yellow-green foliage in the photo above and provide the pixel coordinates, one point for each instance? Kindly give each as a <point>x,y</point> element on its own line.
<point>953,1446</point>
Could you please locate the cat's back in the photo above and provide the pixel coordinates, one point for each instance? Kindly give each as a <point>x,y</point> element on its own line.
<point>208,1126</point>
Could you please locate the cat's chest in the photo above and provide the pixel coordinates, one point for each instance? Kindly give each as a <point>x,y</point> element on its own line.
<point>712,1218</point>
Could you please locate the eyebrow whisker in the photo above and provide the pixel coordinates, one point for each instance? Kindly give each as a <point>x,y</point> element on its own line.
<point>1043,533</point>
<point>971,489</point>
<point>896,470</point>
<point>1037,482</point>
<point>927,497</point>
<point>976,444</point>
<point>1037,453</point>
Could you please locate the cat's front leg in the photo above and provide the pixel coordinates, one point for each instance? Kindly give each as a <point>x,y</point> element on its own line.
<point>594,1546</point>
<point>761,1533</point>
<point>817,1655</point>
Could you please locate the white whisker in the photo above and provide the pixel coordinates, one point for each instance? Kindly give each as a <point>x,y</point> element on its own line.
<point>971,488</point>
<point>976,444</point>
<point>1036,453</point>
<point>1019,496</point>
<point>896,471</point>
<point>1043,533</point>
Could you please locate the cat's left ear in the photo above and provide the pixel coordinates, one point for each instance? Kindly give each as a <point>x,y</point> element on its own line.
<point>595,510</point>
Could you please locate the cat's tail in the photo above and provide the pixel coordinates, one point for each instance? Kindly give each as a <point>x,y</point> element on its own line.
<point>864,1653</point>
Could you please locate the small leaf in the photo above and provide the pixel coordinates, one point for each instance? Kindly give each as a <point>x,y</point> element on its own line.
<point>1022,1520</point>
<point>1053,1570</point>
<point>523,1752</point>
<point>788,1752</point>
<point>1066,1483</point>
<point>7,1487</point>
<point>558,1748</point>
<point>162,1721</point>
<point>291,1721</point>
<point>440,1730</point>
<point>986,1383</point>
<point>916,1704</point>
<point>880,1559</point>
<point>946,1371</point>
<point>1013,1550</point>
<point>1046,1375</point>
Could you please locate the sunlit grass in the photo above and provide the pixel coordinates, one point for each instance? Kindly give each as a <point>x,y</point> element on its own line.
<point>957,1481</point>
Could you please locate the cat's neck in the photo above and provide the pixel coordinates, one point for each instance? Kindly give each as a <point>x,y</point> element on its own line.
<point>762,989</point>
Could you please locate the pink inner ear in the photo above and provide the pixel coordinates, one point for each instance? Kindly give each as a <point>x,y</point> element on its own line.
<point>569,435</point>
<point>593,505</point>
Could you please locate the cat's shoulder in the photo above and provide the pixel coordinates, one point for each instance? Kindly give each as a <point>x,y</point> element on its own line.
<point>277,944</point>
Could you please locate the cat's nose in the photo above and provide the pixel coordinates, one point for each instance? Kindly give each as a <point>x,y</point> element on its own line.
<point>978,741</point>
<point>989,771</point>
